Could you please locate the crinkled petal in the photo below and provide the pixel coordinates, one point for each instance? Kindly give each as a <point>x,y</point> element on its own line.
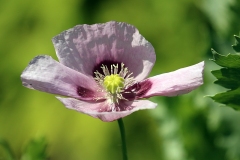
<point>45,74</point>
<point>85,46</point>
<point>174,83</point>
<point>94,109</point>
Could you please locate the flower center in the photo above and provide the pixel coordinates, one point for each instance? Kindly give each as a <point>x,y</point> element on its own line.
<point>113,83</point>
<point>114,80</point>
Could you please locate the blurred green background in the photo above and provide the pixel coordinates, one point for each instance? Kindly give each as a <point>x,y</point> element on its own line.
<point>188,127</point>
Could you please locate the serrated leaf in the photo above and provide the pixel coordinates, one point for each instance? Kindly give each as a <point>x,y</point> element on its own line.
<point>229,61</point>
<point>236,46</point>
<point>231,73</point>
<point>228,77</point>
<point>230,98</point>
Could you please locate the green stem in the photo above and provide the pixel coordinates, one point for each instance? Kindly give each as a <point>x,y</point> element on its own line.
<point>122,131</point>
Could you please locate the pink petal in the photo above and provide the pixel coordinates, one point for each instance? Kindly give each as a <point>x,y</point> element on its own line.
<point>45,74</point>
<point>94,109</point>
<point>174,83</point>
<point>86,46</point>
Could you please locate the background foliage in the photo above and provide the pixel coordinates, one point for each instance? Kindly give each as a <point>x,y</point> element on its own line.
<point>188,127</point>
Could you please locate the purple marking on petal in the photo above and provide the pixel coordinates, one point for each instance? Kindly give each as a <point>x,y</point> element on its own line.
<point>143,87</point>
<point>106,63</point>
<point>129,95</point>
<point>123,105</point>
<point>84,92</point>
<point>140,88</point>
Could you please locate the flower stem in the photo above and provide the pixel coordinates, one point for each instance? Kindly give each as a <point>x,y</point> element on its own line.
<point>122,131</point>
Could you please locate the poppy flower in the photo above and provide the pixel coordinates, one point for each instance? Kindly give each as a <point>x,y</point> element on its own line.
<point>102,71</point>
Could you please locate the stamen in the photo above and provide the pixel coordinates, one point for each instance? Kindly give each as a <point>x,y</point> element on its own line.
<point>115,69</point>
<point>114,81</point>
<point>121,71</point>
<point>111,69</point>
<point>105,70</point>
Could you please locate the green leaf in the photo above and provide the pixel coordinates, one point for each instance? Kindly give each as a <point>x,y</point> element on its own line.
<point>230,60</point>
<point>35,150</point>
<point>230,98</point>
<point>236,46</point>
<point>228,77</point>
